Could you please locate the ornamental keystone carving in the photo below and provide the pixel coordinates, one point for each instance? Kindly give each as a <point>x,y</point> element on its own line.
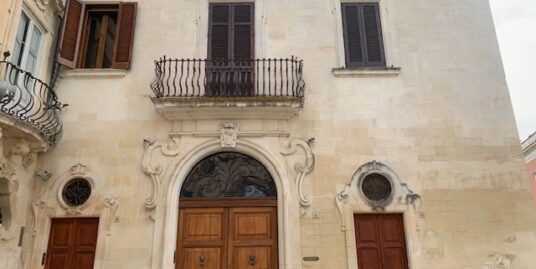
<point>150,167</point>
<point>303,168</point>
<point>229,134</point>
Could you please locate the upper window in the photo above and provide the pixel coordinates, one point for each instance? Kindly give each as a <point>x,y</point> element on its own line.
<point>231,31</point>
<point>362,35</point>
<point>27,44</point>
<point>97,35</point>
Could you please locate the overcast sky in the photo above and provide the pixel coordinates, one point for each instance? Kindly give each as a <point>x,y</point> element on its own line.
<point>515,21</point>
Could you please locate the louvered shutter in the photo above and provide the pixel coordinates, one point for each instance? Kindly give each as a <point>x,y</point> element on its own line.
<point>69,42</point>
<point>352,36</point>
<point>373,35</point>
<point>243,32</point>
<point>362,35</point>
<point>125,35</point>
<point>231,31</point>
<point>219,31</point>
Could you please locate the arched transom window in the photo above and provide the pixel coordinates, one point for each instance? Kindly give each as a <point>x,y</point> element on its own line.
<point>228,174</point>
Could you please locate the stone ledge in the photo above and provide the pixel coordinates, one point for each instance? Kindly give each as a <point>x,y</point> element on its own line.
<point>93,73</point>
<point>370,72</point>
<point>203,107</point>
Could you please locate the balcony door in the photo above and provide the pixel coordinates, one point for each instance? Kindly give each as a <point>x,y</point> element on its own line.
<point>230,50</point>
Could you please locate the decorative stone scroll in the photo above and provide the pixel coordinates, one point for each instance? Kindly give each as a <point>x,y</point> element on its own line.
<point>301,168</point>
<point>168,148</point>
<point>112,204</point>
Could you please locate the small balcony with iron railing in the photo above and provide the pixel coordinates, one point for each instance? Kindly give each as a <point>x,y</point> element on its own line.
<point>205,88</point>
<point>28,106</point>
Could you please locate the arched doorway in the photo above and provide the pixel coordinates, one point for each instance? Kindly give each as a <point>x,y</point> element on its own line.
<point>227,215</point>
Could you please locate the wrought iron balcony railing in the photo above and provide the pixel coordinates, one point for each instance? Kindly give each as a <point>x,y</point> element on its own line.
<point>277,78</point>
<point>30,100</point>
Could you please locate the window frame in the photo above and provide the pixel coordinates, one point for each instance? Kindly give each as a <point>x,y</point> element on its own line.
<point>22,57</point>
<point>365,63</point>
<point>84,38</point>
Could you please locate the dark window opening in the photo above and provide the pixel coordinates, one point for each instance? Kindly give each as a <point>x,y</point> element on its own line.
<point>100,36</point>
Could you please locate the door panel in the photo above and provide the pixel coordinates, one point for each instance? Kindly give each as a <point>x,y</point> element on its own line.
<point>203,224</point>
<point>380,241</point>
<point>202,258</point>
<point>72,243</point>
<point>252,258</point>
<point>251,224</point>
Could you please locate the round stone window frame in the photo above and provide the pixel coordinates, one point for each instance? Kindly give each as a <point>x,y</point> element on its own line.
<point>67,206</point>
<point>377,203</point>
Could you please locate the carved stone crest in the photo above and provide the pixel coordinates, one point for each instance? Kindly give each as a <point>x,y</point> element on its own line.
<point>229,134</point>
<point>78,170</point>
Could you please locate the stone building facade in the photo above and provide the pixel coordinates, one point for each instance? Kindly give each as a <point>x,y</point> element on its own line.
<point>259,134</point>
<point>529,151</point>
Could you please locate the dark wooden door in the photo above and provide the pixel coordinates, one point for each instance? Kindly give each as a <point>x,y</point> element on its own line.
<point>72,243</point>
<point>235,235</point>
<point>380,241</point>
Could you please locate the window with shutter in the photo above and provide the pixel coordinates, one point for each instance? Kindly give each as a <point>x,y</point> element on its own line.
<point>97,35</point>
<point>231,49</point>
<point>362,35</point>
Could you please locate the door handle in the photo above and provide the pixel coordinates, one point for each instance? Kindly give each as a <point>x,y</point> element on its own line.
<point>252,260</point>
<point>202,260</point>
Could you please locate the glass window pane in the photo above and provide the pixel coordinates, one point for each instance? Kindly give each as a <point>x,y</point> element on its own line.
<point>95,22</point>
<point>20,39</point>
<point>110,40</point>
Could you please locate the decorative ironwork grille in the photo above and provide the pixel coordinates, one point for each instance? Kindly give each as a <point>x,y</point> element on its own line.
<point>76,192</point>
<point>228,174</point>
<point>377,188</point>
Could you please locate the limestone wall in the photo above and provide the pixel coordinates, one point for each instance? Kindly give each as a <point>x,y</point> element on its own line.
<point>444,123</point>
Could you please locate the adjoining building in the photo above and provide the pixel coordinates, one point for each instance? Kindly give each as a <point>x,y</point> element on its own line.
<point>249,134</point>
<point>529,151</point>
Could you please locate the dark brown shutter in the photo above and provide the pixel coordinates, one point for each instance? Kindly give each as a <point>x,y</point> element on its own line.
<point>125,35</point>
<point>219,31</point>
<point>231,31</point>
<point>352,36</point>
<point>362,35</point>
<point>243,32</point>
<point>71,33</point>
<point>373,35</point>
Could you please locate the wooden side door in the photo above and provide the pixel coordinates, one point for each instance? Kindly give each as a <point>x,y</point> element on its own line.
<point>202,238</point>
<point>72,243</point>
<point>253,238</point>
<point>380,241</point>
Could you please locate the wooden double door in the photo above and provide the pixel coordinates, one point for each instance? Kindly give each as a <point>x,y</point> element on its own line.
<point>227,234</point>
<point>72,243</point>
<point>380,241</point>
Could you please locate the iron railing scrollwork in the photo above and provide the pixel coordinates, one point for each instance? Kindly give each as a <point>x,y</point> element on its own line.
<point>29,99</point>
<point>228,78</point>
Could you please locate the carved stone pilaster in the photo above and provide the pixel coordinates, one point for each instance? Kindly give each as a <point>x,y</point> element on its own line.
<point>301,168</point>
<point>154,168</point>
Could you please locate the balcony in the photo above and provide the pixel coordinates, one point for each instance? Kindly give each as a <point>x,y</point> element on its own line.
<point>28,106</point>
<point>228,89</point>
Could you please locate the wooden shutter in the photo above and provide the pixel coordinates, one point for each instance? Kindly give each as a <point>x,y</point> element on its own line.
<point>126,23</point>
<point>231,31</point>
<point>219,32</point>
<point>362,35</point>
<point>373,35</point>
<point>243,32</point>
<point>69,42</point>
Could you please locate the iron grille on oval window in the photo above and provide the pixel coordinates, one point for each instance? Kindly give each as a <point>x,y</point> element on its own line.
<point>228,174</point>
<point>377,189</point>
<point>76,192</point>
